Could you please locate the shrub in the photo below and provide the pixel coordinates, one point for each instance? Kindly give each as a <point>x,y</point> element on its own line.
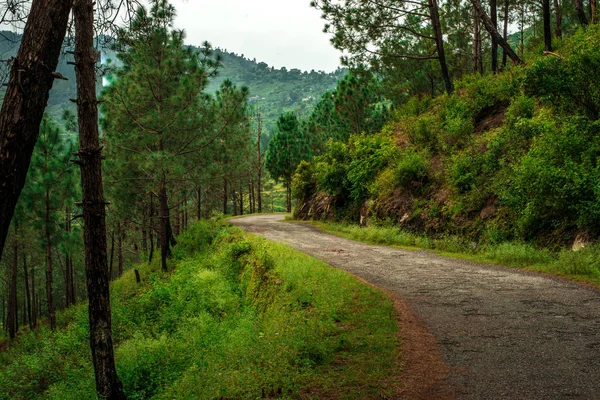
<point>304,184</point>
<point>570,81</point>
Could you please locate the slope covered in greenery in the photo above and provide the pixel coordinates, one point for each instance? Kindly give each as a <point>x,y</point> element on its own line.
<point>238,317</point>
<point>274,91</point>
<point>508,157</point>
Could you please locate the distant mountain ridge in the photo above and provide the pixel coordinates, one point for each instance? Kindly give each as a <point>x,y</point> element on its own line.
<point>272,90</point>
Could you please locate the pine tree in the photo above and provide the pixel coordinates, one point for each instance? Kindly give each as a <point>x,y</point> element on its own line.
<point>286,149</point>
<point>156,116</point>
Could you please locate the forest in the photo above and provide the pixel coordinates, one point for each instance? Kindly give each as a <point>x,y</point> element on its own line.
<point>455,126</point>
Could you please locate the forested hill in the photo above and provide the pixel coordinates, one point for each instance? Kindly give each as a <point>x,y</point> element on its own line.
<point>273,90</point>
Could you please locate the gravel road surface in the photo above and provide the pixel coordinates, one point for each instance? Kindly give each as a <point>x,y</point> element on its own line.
<point>503,333</point>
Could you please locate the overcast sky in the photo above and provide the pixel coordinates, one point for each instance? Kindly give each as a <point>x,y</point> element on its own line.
<point>279,32</point>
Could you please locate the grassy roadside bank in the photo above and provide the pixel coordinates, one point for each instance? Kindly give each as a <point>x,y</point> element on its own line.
<point>582,265</point>
<point>236,317</point>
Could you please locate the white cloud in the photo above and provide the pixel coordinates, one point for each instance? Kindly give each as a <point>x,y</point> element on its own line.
<point>279,32</point>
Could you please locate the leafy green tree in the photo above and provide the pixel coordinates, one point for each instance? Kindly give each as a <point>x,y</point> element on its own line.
<point>286,149</point>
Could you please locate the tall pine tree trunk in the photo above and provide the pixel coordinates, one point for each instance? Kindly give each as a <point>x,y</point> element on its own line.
<point>234,202</point>
<point>439,44</point>
<point>558,19</point>
<point>547,25</point>
<point>49,266</point>
<point>494,19</point>
<point>120,247</point>
<point>241,199</point>
<point>165,229</point>
<point>199,203</point>
<point>477,53</point>
<point>505,31</point>
<point>151,229</point>
<point>12,320</point>
<point>26,97</point>
<point>580,12</point>
<point>593,8</point>
<point>27,291</point>
<point>224,196</point>
<point>108,384</point>
<point>489,26</point>
<point>259,165</point>
<point>34,312</point>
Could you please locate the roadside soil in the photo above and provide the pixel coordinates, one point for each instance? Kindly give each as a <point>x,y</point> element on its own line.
<point>469,331</point>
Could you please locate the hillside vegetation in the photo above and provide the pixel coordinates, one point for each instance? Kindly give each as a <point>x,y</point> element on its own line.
<point>274,91</point>
<point>238,317</point>
<point>511,157</point>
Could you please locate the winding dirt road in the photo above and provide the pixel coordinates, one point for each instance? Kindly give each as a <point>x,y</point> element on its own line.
<point>503,333</point>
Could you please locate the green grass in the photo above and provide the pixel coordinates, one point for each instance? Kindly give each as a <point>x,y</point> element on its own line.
<point>238,317</point>
<point>583,265</point>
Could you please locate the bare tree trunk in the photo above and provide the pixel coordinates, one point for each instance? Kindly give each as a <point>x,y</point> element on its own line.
<point>151,230</point>
<point>112,255</point>
<point>580,12</point>
<point>49,266</point>
<point>34,313</point>
<point>251,199</point>
<point>477,53</point>
<point>68,264</point>
<point>241,200</point>
<point>224,196</point>
<point>27,291</point>
<point>547,25</point>
<point>234,202</point>
<point>259,165</point>
<point>489,26</point>
<point>12,321</point>
<point>120,246</point>
<point>288,196</point>
<point>593,8</point>
<point>494,19</point>
<point>199,204</point>
<point>505,32</point>
<point>26,97</point>
<point>108,384</point>
<point>439,43</point>
<point>165,231</point>
<point>206,204</point>
<point>558,20</point>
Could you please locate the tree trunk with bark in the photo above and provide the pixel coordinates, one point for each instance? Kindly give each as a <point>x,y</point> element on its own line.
<point>199,203</point>
<point>439,44</point>
<point>558,19</point>
<point>108,384</point>
<point>49,265</point>
<point>25,99</point>
<point>505,31</point>
<point>12,320</point>
<point>120,247</point>
<point>489,26</point>
<point>165,229</point>
<point>547,25</point>
<point>494,19</point>
<point>580,12</point>
<point>27,290</point>
<point>477,53</point>
<point>224,196</point>
<point>259,165</point>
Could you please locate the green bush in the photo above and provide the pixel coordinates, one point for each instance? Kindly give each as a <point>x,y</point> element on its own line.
<point>304,184</point>
<point>570,81</point>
